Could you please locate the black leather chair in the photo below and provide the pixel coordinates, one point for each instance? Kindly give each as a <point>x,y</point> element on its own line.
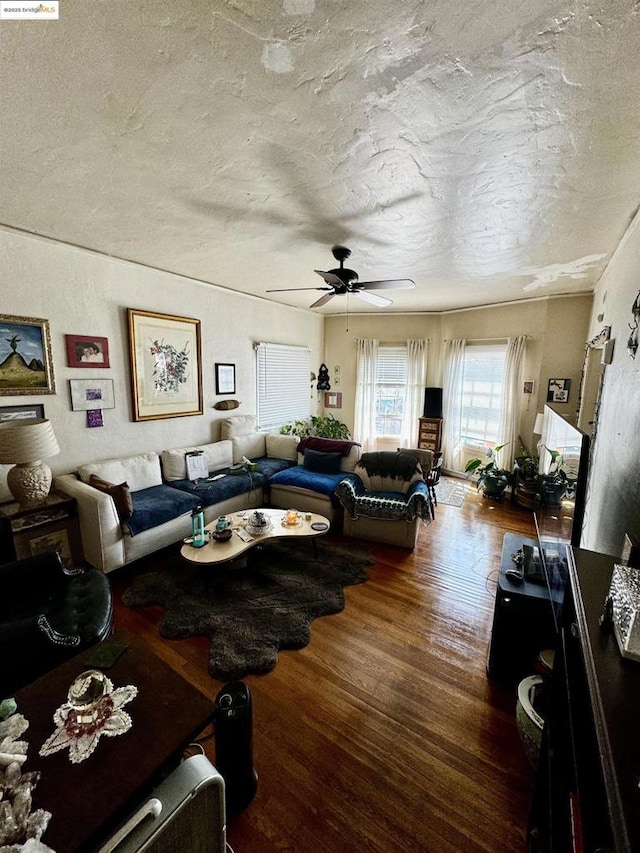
<point>48,614</point>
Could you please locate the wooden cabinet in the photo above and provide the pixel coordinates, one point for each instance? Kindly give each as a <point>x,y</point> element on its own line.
<point>430,434</point>
<point>50,526</point>
<point>586,795</point>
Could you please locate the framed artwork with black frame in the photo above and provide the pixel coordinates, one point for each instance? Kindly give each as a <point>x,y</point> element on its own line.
<point>558,390</point>
<point>225,378</point>
<point>18,413</point>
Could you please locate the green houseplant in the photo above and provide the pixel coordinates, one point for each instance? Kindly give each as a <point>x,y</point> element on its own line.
<point>492,479</point>
<point>553,485</point>
<point>525,477</point>
<point>323,426</point>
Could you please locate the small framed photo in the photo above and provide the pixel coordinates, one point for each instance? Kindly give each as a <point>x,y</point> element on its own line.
<point>528,386</point>
<point>87,351</point>
<point>333,399</point>
<point>558,390</point>
<point>225,378</point>
<point>91,394</point>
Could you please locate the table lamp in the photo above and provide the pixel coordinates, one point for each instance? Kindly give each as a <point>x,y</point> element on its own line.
<point>26,443</point>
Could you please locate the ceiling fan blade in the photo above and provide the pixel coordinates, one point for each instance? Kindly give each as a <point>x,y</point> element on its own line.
<point>330,278</point>
<point>391,284</point>
<point>323,300</point>
<point>372,298</point>
<point>286,289</point>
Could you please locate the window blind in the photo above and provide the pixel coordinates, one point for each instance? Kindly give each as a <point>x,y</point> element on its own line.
<point>283,384</point>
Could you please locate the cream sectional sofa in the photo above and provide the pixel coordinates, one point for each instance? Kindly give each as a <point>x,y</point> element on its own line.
<point>132,506</point>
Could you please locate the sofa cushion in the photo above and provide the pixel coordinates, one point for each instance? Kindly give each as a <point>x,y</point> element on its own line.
<point>323,463</point>
<point>269,467</point>
<point>229,486</point>
<point>302,478</point>
<point>237,425</point>
<point>219,455</point>
<point>121,495</point>
<point>140,472</point>
<point>350,450</point>
<point>252,446</point>
<point>156,505</point>
<point>282,446</point>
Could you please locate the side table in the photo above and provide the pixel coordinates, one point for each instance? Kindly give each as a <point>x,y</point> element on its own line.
<point>51,526</point>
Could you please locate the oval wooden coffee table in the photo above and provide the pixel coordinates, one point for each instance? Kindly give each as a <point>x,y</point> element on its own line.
<point>223,552</point>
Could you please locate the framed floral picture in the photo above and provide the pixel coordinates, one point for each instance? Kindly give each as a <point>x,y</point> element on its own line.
<point>87,351</point>
<point>166,365</point>
<point>26,366</point>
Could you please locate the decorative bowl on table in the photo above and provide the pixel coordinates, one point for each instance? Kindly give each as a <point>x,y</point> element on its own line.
<point>222,535</point>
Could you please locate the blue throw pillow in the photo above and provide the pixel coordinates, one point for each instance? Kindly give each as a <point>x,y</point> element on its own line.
<point>323,463</point>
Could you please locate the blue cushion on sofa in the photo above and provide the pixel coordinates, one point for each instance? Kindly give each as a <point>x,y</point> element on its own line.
<point>324,484</point>
<point>157,504</point>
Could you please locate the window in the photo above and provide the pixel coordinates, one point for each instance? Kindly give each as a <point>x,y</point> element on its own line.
<point>391,379</point>
<point>283,384</point>
<point>482,393</point>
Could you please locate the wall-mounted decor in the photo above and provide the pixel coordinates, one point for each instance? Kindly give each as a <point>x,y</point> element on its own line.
<point>333,399</point>
<point>225,405</point>
<point>528,386</point>
<point>26,366</point>
<point>166,365</point>
<point>17,413</point>
<point>632,343</point>
<point>225,378</point>
<point>93,394</point>
<point>558,390</point>
<point>87,351</point>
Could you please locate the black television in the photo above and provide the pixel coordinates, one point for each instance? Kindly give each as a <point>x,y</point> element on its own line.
<point>563,522</point>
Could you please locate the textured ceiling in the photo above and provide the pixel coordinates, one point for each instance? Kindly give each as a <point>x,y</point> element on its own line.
<point>488,150</point>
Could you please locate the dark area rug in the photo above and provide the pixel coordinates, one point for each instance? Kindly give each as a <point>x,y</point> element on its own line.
<point>250,613</point>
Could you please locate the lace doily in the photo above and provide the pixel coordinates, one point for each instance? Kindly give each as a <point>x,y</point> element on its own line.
<point>94,709</point>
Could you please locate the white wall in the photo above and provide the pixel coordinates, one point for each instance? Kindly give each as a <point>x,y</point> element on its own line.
<point>556,328</point>
<point>613,505</point>
<point>83,293</point>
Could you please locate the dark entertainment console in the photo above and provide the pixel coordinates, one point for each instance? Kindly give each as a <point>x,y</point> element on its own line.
<point>523,622</point>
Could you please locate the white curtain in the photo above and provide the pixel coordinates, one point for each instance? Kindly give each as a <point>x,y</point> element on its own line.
<point>511,389</point>
<point>414,392</point>
<point>452,376</point>
<point>364,426</point>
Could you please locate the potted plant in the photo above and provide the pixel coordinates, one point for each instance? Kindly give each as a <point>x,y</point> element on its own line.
<point>324,427</point>
<point>525,477</point>
<point>492,479</point>
<point>553,485</point>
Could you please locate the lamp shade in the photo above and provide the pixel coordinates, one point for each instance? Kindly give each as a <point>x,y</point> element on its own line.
<point>537,427</point>
<point>27,440</point>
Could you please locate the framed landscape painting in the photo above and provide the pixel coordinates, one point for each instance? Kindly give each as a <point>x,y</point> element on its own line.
<point>26,366</point>
<point>166,365</point>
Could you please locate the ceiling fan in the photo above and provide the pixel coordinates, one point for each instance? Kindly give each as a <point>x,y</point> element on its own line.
<point>343,280</point>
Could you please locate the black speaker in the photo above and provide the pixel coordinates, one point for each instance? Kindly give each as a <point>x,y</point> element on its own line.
<point>432,403</point>
<point>233,716</point>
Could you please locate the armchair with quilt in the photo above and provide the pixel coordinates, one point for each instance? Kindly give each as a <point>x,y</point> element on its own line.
<point>48,614</point>
<point>385,499</point>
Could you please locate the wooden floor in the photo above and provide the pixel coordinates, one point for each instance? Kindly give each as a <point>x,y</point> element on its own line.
<point>385,733</point>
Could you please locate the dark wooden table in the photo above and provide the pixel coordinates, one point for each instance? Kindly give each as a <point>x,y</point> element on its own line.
<point>87,800</point>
